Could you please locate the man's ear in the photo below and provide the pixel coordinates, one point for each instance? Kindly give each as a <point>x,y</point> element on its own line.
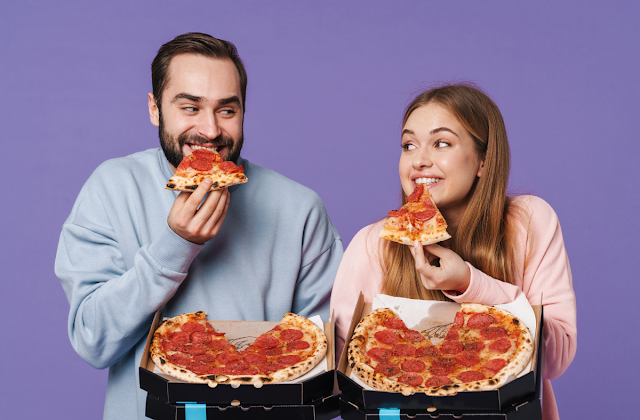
<point>154,112</point>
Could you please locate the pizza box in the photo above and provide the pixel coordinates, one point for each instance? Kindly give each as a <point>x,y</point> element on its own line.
<point>525,389</point>
<point>324,409</point>
<point>173,390</point>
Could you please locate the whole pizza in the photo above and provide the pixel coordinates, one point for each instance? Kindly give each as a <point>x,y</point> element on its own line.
<point>483,347</point>
<point>189,348</point>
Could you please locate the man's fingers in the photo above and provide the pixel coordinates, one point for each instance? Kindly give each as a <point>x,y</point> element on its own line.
<point>214,221</point>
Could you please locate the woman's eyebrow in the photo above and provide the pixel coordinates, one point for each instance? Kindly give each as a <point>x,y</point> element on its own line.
<point>440,129</point>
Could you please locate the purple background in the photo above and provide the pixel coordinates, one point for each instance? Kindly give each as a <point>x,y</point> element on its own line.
<point>327,89</point>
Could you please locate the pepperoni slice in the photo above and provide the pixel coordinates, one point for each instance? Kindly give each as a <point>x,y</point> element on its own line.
<point>425,214</point>
<point>179,337</point>
<point>495,365</point>
<point>274,351</point>
<point>226,357</point>
<point>387,368</point>
<point>451,347</point>
<point>458,321</point>
<point>270,367</point>
<point>411,379</point>
<point>266,341</point>
<point>201,165</point>
<point>452,335</point>
<point>237,364</point>
<point>219,345</point>
<point>413,335</point>
<point>427,351</point>
<point>379,354</point>
<point>204,154</point>
<point>291,335</point>
<point>395,324</point>
<point>276,328</point>
<point>467,359</point>
<point>289,359</point>
<point>298,345</point>
<point>200,338</point>
<point>413,365</point>
<point>403,350</point>
<point>439,380</point>
<point>470,376</point>
<point>201,368</point>
<point>205,358</point>
<point>477,321</point>
<point>170,346</point>
<point>192,327</point>
<point>428,204</point>
<point>416,194</point>
<point>442,370</point>
<point>194,349</point>
<point>474,346</point>
<point>443,366</point>
<point>387,337</point>
<point>500,346</point>
<point>397,213</point>
<point>228,166</point>
<point>255,359</point>
<point>185,164</point>
<point>491,333</point>
<point>179,359</point>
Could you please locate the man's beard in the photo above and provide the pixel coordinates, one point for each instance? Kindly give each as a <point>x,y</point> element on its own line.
<point>172,147</point>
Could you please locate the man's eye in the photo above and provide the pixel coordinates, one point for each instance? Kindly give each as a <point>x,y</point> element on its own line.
<point>408,146</point>
<point>228,112</point>
<point>190,109</point>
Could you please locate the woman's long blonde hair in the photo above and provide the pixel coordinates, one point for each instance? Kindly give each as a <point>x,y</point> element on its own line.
<point>484,234</point>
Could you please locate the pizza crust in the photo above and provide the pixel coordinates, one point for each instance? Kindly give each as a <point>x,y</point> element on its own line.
<point>220,180</point>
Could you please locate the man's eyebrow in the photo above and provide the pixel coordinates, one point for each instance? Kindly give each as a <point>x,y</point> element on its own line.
<point>188,97</point>
<point>230,100</point>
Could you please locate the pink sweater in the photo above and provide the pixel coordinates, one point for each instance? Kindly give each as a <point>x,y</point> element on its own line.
<point>547,272</point>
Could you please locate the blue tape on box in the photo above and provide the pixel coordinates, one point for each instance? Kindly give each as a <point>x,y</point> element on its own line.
<point>389,413</point>
<point>194,411</point>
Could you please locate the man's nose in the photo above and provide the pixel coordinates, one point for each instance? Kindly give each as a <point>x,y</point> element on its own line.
<point>208,126</point>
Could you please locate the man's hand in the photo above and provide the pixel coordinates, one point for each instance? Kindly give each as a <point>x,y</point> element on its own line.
<point>452,274</point>
<point>195,224</point>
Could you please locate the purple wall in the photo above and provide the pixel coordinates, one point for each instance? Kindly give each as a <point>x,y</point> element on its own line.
<point>327,88</point>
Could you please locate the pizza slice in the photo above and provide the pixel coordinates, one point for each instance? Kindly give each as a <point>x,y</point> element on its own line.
<point>202,164</point>
<point>418,219</point>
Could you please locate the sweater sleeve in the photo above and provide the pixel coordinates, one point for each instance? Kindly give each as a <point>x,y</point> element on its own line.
<point>111,303</point>
<point>546,279</point>
<point>359,271</point>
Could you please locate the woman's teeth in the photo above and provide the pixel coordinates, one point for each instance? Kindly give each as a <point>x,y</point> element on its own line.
<point>426,180</point>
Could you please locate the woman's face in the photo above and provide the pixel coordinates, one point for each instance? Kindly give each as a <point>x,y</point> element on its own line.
<point>439,152</point>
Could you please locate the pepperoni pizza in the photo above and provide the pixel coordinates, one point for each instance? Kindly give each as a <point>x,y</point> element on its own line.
<point>482,348</point>
<point>189,348</point>
<point>419,219</point>
<point>202,164</point>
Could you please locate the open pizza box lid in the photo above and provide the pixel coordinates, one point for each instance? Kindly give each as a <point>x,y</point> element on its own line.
<point>525,389</point>
<point>308,389</point>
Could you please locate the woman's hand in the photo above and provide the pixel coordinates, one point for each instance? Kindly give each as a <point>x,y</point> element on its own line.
<point>453,274</point>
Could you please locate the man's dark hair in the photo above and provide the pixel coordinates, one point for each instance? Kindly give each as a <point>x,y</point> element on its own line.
<point>193,43</point>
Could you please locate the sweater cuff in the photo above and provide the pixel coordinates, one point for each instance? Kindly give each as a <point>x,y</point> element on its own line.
<point>173,252</point>
<point>468,295</point>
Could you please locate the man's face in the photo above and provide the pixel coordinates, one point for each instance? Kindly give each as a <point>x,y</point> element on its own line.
<point>201,107</point>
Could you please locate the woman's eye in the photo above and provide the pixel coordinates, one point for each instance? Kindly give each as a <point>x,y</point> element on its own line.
<point>408,146</point>
<point>441,143</point>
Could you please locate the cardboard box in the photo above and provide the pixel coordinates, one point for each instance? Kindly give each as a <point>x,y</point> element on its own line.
<point>171,390</point>
<point>521,394</point>
<point>325,409</point>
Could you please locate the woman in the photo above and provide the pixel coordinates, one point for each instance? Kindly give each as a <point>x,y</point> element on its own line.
<point>454,142</point>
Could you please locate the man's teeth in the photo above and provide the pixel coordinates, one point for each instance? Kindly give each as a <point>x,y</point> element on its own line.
<point>197,146</point>
<point>426,180</point>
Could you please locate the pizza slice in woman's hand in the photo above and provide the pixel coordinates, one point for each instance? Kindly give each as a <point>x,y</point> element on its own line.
<point>419,219</point>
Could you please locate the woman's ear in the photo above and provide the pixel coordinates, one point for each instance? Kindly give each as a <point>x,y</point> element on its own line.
<point>481,167</point>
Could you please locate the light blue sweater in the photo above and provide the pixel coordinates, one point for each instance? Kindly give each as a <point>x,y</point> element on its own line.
<point>118,262</point>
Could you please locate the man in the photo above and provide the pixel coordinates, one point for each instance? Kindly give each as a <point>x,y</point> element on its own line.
<point>250,252</point>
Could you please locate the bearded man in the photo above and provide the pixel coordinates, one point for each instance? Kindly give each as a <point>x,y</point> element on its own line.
<point>130,247</point>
